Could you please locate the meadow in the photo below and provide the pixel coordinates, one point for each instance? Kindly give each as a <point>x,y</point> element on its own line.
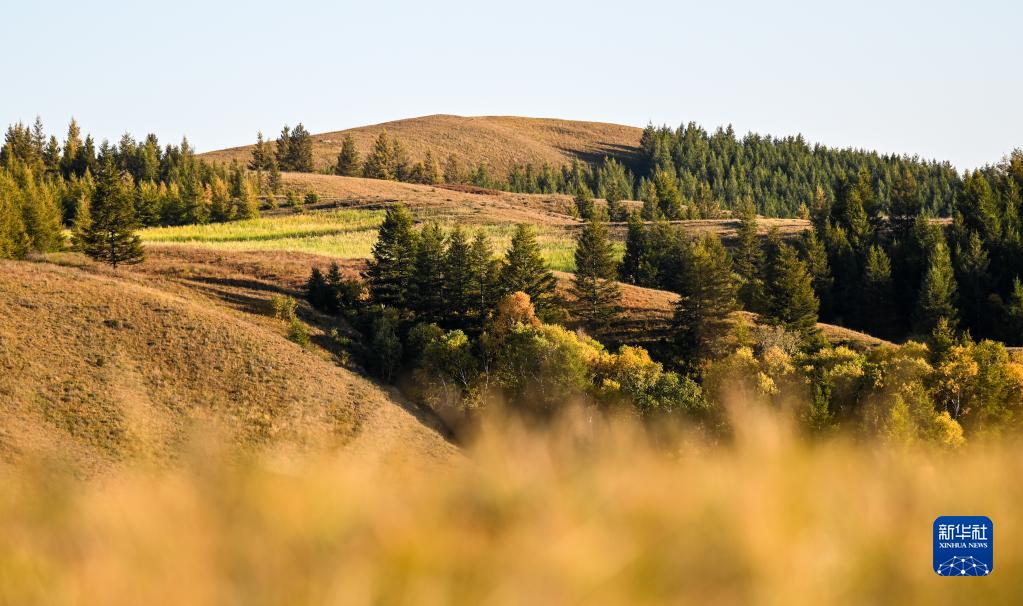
<point>346,234</point>
<point>586,512</point>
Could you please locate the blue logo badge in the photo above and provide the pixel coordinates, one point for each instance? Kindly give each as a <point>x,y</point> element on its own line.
<point>963,546</point>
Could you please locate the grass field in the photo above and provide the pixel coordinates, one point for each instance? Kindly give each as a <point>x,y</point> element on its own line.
<point>346,234</point>
<point>584,514</point>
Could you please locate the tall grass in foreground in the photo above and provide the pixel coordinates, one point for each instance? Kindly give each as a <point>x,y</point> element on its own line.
<point>347,234</point>
<point>586,513</point>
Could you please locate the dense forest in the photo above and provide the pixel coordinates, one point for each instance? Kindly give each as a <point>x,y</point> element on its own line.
<point>684,173</point>
<point>47,186</point>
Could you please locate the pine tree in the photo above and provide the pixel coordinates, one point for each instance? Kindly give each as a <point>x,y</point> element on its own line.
<point>399,160</point>
<point>1013,333</point>
<point>283,152</point>
<point>14,241</point>
<point>648,195</point>
<point>937,292</point>
<point>274,177</point>
<point>979,208</point>
<point>669,199</point>
<point>905,206</point>
<point>392,267</point>
<point>615,186</point>
<point>72,147</point>
<point>348,164</point>
<point>300,150</point>
<point>458,278</point>
<point>261,154</point>
<point>973,278</point>
<point>51,156</point>
<point>427,297</point>
<point>109,235</point>
<point>877,311</point>
<point>816,256</point>
<point>707,297</point>
<point>598,296</point>
<point>633,267</point>
<point>378,163</point>
<point>749,257</point>
<point>525,271</point>
<point>484,286</point>
<point>790,299</point>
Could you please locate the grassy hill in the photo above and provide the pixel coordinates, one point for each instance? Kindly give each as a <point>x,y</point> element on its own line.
<point>500,141</point>
<point>101,366</point>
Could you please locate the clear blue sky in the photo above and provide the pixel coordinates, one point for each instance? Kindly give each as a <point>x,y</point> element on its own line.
<point>939,79</point>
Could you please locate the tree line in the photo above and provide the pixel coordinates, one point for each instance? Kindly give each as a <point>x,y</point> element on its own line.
<point>784,176</point>
<point>460,328</point>
<point>47,186</point>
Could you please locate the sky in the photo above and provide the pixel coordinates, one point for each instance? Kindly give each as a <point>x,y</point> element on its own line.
<point>937,79</point>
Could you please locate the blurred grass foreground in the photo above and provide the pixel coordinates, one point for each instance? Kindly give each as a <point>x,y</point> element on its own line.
<point>586,511</point>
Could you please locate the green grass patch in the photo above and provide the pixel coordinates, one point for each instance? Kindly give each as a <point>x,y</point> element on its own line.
<point>346,234</point>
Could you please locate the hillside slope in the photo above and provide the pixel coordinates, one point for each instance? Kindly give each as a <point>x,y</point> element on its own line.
<point>500,141</point>
<point>100,367</point>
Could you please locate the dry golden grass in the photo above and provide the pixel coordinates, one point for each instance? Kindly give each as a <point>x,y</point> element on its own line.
<point>586,513</point>
<point>500,141</point>
<point>100,366</point>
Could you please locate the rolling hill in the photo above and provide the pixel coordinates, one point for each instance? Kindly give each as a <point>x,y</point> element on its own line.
<point>100,367</point>
<point>500,141</point>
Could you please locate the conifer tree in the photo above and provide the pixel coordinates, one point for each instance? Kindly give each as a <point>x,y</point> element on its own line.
<point>648,195</point>
<point>300,150</point>
<point>972,264</point>
<point>937,292</point>
<point>877,311</point>
<point>632,269</point>
<point>14,241</point>
<point>458,278</point>
<point>525,271</point>
<point>598,296</point>
<point>790,299</point>
<point>261,154</point>
<point>816,256</point>
<point>905,205</point>
<point>428,280</point>
<point>51,156</point>
<point>749,257</point>
<point>274,177</point>
<point>348,164</point>
<point>109,235</point>
<point>978,207</point>
<point>669,199</point>
<point>392,267</point>
<point>707,297</point>
<point>430,173</point>
<point>378,163</point>
<point>1013,332</point>
<point>485,272</point>
<point>615,186</point>
<point>283,151</point>
<point>72,147</point>
<point>399,161</point>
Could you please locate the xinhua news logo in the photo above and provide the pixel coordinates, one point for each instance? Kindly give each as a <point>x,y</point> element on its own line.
<point>963,546</point>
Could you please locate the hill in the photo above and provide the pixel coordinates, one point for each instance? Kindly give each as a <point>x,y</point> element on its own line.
<point>101,367</point>
<point>500,141</point>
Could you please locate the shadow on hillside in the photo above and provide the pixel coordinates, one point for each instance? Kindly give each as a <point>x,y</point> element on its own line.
<point>627,155</point>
